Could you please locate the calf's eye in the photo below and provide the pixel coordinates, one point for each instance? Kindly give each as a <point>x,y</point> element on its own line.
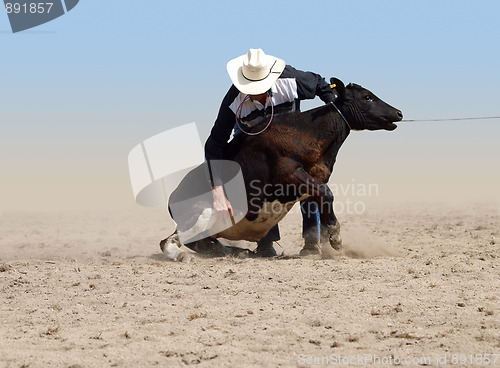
<point>368,98</point>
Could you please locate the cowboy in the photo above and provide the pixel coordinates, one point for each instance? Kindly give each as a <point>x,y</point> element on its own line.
<point>263,85</point>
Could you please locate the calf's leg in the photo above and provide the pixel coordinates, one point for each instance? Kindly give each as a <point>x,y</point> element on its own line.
<point>330,227</point>
<point>323,196</point>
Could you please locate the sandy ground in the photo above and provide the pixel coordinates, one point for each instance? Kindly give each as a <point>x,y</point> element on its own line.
<point>90,289</point>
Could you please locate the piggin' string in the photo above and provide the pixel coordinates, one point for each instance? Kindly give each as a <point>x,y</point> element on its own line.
<point>239,110</point>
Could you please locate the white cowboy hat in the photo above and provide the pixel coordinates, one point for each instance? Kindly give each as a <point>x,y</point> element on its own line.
<point>255,72</point>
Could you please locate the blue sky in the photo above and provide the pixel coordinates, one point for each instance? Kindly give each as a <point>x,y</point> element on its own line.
<point>77,93</point>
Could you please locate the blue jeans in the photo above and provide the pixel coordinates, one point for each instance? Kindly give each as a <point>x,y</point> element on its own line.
<point>311,226</point>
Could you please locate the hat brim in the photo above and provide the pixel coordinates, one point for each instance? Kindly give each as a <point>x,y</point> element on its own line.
<point>234,69</point>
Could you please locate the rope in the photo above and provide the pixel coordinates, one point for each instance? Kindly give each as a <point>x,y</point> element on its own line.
<point>453,119</point>
<point>238,113</point>
<point>342,115</point>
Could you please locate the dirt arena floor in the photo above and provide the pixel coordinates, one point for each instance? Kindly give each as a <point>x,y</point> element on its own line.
<point>415,286</point>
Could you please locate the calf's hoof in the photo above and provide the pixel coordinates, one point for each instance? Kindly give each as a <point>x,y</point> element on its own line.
<point>336,243</point>
<point>170,247</point>
<point>331,234</point>
<point>170,241</point>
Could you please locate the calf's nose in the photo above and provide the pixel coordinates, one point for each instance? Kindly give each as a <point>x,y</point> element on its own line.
<point>399,114</point>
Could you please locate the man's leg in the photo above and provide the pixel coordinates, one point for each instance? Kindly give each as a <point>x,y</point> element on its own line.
<point>311,226</point>
<point>265,245</point>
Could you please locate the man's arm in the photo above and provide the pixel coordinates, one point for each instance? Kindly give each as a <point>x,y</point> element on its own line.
<point>310,85</point>
<point>221,131</point>
<point>214,150</point>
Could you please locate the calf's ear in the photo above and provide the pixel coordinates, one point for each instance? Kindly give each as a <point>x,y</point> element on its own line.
<point>338,88</point>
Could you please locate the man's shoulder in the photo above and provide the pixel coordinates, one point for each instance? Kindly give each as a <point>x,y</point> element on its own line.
<point>300,75</point>
<point>289,72</point>
<point>231,95</point>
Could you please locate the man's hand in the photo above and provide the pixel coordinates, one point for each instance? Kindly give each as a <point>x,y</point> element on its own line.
<point>222,206</point>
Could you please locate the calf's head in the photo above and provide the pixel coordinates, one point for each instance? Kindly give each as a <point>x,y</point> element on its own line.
<point>364,110</point>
